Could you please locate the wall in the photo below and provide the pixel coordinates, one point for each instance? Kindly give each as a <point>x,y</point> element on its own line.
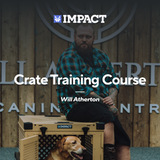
<point>24,37</point>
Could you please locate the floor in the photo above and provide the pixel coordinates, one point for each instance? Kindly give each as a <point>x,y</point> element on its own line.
<point>137,153</point>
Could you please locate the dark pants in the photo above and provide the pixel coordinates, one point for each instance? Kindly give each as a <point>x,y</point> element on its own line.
<point>92,112</point>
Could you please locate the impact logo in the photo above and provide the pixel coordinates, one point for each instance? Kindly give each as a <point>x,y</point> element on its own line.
<point>79,18</point>
<point>57,18</point>
<point>103,22</point>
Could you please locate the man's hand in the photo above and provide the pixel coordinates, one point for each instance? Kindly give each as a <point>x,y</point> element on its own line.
<point>108,100</point>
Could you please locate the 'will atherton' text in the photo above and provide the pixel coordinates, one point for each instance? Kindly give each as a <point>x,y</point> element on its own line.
<point>79,99</point>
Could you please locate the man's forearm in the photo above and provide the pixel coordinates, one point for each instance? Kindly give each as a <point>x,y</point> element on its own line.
<point>111,107</point>
<point>94,95</point>
<point>113,93</point>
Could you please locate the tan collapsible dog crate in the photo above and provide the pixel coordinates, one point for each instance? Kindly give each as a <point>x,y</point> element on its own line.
<point>38,134</point>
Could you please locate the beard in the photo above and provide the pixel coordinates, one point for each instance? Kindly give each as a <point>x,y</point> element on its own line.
<point>84,50</point>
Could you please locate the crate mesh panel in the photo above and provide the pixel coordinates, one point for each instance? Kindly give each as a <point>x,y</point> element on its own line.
<point>48,142</point>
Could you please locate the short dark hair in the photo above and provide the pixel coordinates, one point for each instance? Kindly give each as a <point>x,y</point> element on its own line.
<point>84,25</point>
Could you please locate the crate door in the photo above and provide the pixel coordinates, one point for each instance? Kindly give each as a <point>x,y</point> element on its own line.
<point>29,148</point>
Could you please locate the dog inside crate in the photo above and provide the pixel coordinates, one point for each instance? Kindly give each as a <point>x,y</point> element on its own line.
<point>48,142</point>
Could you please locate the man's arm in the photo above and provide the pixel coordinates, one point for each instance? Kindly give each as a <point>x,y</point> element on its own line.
<point>112,96</point>
<point>113,93</point>
<point>94,95</point>
<point>110,100</point>
<point>111,107</point>
<point>113,89</point>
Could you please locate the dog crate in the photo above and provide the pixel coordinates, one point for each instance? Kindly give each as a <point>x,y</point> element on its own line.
<point>38,135</point>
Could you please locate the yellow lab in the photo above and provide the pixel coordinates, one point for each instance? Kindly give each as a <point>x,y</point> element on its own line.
<point>68,148</point>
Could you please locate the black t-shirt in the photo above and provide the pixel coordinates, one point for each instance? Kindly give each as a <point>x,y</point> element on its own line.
<point>88,59</point>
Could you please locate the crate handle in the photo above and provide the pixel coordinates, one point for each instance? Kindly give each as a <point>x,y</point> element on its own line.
<point>85,130</point>
<point>43,130</point>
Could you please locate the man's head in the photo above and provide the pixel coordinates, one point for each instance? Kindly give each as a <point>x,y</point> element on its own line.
<point>84,38</point>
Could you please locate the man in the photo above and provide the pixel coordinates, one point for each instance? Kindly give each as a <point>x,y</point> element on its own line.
<point>82,58</point>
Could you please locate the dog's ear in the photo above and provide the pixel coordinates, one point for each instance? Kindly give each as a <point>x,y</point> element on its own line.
<point>60,144</point>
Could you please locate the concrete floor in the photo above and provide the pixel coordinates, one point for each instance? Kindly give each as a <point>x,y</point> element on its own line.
<point>138,153</point>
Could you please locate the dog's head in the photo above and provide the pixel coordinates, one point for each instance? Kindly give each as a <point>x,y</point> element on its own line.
<point>71,146</point>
